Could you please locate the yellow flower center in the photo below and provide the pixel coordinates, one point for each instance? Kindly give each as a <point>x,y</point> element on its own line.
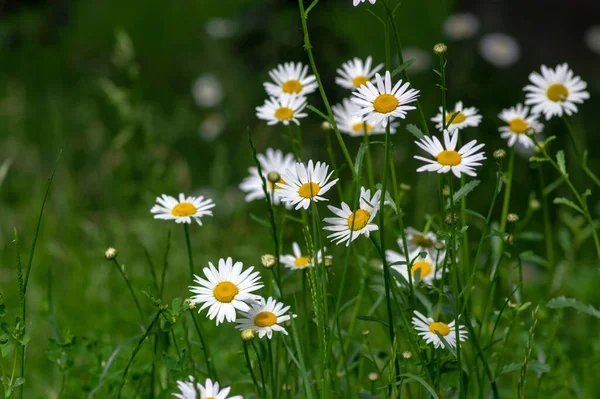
<point>302,261</point>
<point>518,125</point>
<point>449,158</point>
<point>265,319</point>
<point>360,218</point>
<point>284,113</point>
<point>557,92</point>
<point>385,103</point>
<point>225,291</point>
<point>183,209</point>
<point>423,266</point>
<point>359,80</point>
<point>309,190</point>
<point>360,127</point>
<point>440,327</point>
<point>291,86</point>
<point>458,119</point>
<point>421,241</point>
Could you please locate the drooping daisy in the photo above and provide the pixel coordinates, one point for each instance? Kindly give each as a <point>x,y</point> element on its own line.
<point>447,158</point>
<point>209,390</point>
<point>427,267</point>
<point>264,317</point>
<point>357,2</point>
<point>273,164</point>
<point>184,210</point>
<point>417,241</point>
<point>225,289</point>
<point>499,49</point>
<point>349,122</point>
<point>465,117</point>
<point>291,78</point>
<point>348,225</point>
<point>355,73</point>
<point>427,329</point>
<point>283,109</point>
<point>518,120</point>
<point>461,26</point>
<point>384,102</point>
<point>555,91</point>
<point>303,184</point>
<point>297,261</point>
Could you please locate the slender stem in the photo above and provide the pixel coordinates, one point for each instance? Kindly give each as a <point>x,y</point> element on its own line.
<point>165,264</point>
<point>249,364</point>
<point>137,304</point>
<point>368,158</point>
<point>582,159</point>
<point>271,369</point>
<point>571,136</point>
<point>546,214</point>
<point>507,189</point>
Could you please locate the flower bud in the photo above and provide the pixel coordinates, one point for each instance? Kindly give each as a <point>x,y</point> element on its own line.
<point>440,48</point>
<point>326,126</point>
<point>268,261</point>
<point>273,177</point>
<point>512,217</point>
<point>439,245</point>
<point>405,187</point>
<point>529,131</point>
<point>373,376</point>
<point>111,253</point>
<point>535,204</point>
<point>499,154</point>
<point>328,261</point>
<point>446,191</point>
<point>451,218</point>
<point>247,335</point>
<point>406,354</point>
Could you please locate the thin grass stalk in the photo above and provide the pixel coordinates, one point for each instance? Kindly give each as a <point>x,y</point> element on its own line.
<point>582,159</point>
<point>165,264</point>
<point>249,365</point>
<point>546,216</point>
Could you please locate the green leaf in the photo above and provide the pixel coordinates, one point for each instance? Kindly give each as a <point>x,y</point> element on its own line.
<point>473,213</point>
<point>533,365</point>
<point>446,344</point>
<point>316,111</point>
<point>560,159</point>
<point>549,139</point>
<point>369,318</point>
<point>359,159</point>
<point>553,186</point>
<point>403,67</point>
<point>260,220</point>
<point>464,190</point>
<point>408,377</point>
<point>18,382</point>
<point>563,302</point>
<point>415,131</point>
<point>537,159</point>
<point>569,203</point>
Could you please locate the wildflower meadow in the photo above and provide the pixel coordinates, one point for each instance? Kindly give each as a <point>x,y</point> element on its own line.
<point>302,199</point>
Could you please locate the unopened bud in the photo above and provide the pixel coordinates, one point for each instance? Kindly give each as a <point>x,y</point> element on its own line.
<point>111,253</point>
<point>512,217</point>
<point>340,374</point>
<point>499,154</point>
<point>373,376</point>
<point>268,261</point>
<point>534,204</point>
<point>529,131</point>
<point>406,355</point>
<point>247,335</point>
<point>446,191</point>
<point>451,218</point>
<point>365,332</point>
<point>440,48</point>
<point>508,238</point>
<point>273,177</point>
<point>328,260</point>
<point>326,126</point>
<point>405,187</point>
<point>439,245</point>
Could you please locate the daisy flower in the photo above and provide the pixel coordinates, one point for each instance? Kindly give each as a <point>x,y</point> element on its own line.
<point>207,91</point>
<point>225,289</point>
<point>499,49</point>
<point>349,122</point>
<point>461,26</point>
<point>303,184</point>
<point>384,102</point>
<point>355,73</point>
<point>297,261</point>
<point>427,329</point>
<point>209,390</point>
<point>348,225</point>
<point>273,163</point>
<point>184,210</point>
<point>518,120</point>
<point>357,2</point>
<point>555,91</point>
<point>291,78</point>
<point>417,241</point>
<point>447,159</point>
<point>283,109</point>
<point>264,317</point>
<point>465,117</point>
<point>428,270</point>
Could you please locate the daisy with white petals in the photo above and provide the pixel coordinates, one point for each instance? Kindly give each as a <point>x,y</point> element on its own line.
<point>297,261</point>
<point>303,184</point>
<point>379,104</point>
<point>210,390</point>
<point>355,73</point>
<point>426,267</point>
<point>291,78</point>
<point>283,109</point>
<point>447,158</point>
<point>555,91</point>
<point>184,210</point>
<point>349,122</point>
<point>264,317</point>
<point>348,225</point>
<point>465,117</point>
<point>357,2</point>
<point>273,163</point>
<point>226,290</point>
<point>428,329</point>
<point>518,120</point>
<point>417,241</point>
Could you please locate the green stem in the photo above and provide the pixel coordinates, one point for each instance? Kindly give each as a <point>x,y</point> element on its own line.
<point>260,367</point>
<point>137,304</point>
<point>247,357</point>
<point>582,159</point>
<point>507,189</point>
<point>547,222</point>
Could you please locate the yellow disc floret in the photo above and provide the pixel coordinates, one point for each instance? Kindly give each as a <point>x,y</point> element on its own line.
<point>183,209</point>
<point>385,103</point>
<point>225,291</point>
<point>449,158</point>
<point>309,190</point>
<point>265,319</point>
<point>359,219</point>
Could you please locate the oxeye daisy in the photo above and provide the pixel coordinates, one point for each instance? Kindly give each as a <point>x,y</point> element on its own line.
<point>352,124</point>
<point>225,289</point>
<point>428,329</point>
<point>355,73</point>
<point>348,225</point>
<point>303,184</point>
<point>555,91</point>
<point>379,104</point>
<point>183,210</point>
<point>273,163</point>
<point>518,120</point>
<point>357,2</point>
<point>465,117</point>
<point>210,390</point>
<point>283,109</point>
<point>427,267</point>
<point>447,158</point>
<point>417,241</point>
<point>291,78</point>
<point>264,317</point>
<point>297,261</point>
<point>499,49</point>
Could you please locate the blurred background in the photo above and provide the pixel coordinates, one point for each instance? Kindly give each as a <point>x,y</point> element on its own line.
<point>151,97</point>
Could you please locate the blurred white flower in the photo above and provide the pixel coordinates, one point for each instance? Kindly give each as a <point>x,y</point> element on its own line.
<point>461,26</point>
<point>499,49</point>
<point>219,28</point>
<point>592,38</point>
<point>207,91</point>
<point>518,119</point>
<point>355,73</point>
<point>283,109</point>
<point>422,59</point>
<point>212,126</point>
